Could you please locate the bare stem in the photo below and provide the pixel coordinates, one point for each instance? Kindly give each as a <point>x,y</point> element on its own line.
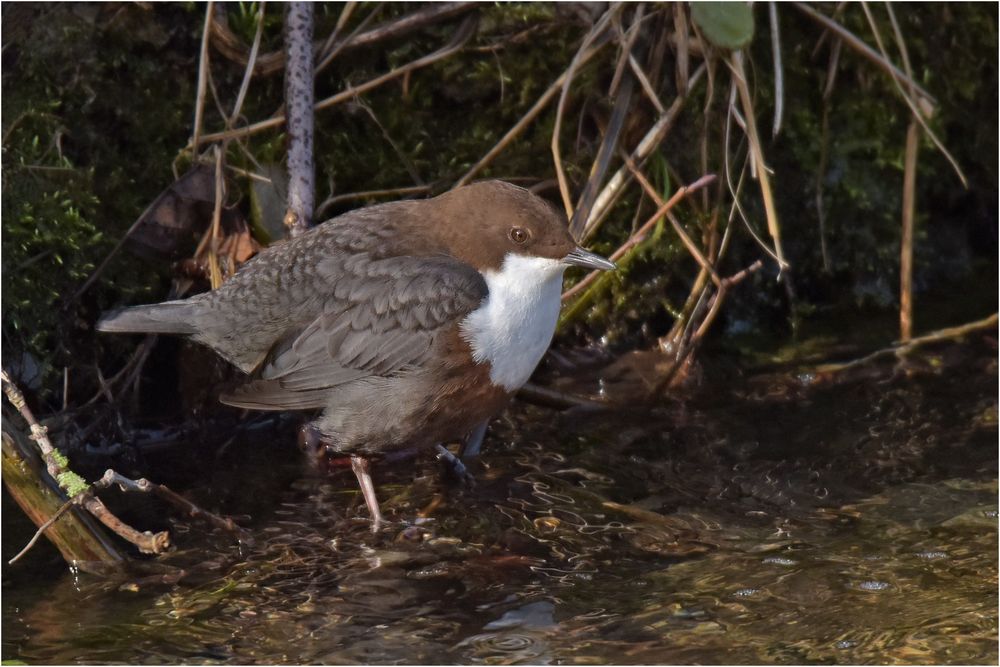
<point>641,233</point>
<point>299,101</point>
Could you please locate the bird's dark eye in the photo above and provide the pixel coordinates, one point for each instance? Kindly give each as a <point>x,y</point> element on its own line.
<point>518,235</point>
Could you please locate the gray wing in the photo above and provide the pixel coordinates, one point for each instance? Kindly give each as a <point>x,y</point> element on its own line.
<point>382,318</point>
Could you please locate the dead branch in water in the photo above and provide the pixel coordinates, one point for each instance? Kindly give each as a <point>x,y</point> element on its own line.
<point>688,347</point>
<point>903,348</point>
<point>82,494</point>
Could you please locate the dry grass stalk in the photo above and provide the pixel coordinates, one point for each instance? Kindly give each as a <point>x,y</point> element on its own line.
<point>641,233</point>
<point>779,78</point>
<point>602,161</point>
<point>199,105</point>
<point>919,111</point>
<point>909,200</point>
<point>248,72</point>
<point>455,45</point>
<point>328,51</point>
<point>370,194</point>
<point>757,153</point>
<point>866,51</point>
<point>906,242</point>
<point>682,234</point>
<point>524,122</point>
<point>594,33</point>
<point>232,47</point>
<point>615,186</point>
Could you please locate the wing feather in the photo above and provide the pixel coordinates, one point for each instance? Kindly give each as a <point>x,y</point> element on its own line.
<point>381,317</point>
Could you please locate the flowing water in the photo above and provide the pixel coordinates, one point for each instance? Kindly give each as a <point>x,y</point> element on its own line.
<point>785,518</point>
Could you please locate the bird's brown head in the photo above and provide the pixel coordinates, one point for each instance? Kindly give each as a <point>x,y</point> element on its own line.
<point>488,221</point>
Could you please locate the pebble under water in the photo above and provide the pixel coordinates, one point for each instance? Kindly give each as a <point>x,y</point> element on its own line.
<point>778,519</point>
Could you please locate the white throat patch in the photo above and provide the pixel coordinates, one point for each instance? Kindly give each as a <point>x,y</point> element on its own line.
<point>514,325</point>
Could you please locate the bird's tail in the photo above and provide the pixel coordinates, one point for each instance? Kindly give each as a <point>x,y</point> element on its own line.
<point>171,317</point>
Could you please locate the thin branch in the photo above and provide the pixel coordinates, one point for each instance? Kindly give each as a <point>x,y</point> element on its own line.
<point>699,334</point>
<point>526,120</point>
<point>461,36</point>
<point>143,485</point>
<point>369,194</point>
<point>70,482</point>
<point>616,184</point>
<point>199,105</point>
<point>691,246</point>
<point>299,103</point>
<point>858,45</point>
<point>757,152</point>
<point>901,348</point>
<point>594,33</point>
<point>41,530</point>
<point>640,235</point>
<point>918,113</point>
<point>779,78</point>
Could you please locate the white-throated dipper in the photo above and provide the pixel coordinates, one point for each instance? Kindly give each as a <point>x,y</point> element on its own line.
<point>407,323</point>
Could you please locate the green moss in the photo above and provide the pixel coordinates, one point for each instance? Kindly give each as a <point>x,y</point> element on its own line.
<point>72,483</point>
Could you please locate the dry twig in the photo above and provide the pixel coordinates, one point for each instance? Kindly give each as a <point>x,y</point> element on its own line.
<point>526,119</point>
<point>461,36</point>
<point>640,235</point>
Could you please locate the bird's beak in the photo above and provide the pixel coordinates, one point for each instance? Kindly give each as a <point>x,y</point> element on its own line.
<point>588,260</point>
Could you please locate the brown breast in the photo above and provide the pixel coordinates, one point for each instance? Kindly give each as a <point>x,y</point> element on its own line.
<point>466,396</point>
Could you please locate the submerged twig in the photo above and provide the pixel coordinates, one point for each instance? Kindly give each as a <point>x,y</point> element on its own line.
<point>713,310</point>
<point>903,348</point>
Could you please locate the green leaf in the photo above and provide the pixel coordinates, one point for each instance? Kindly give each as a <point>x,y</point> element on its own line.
<point>728,25</point>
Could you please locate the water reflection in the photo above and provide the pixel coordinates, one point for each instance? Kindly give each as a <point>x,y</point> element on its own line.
<point>854,524</point>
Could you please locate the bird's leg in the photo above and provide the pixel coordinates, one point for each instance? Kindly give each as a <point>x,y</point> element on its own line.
<point>362,469</point>
<point>473,442</point>
<point>454,466</point>
<point>312,445</point>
